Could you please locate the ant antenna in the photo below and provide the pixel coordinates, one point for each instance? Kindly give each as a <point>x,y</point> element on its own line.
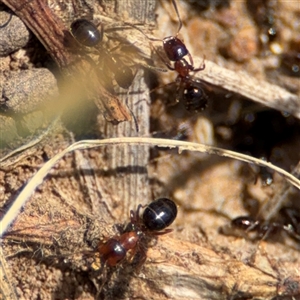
<point>179,19</point>
<point>155,39</point>
<point>141,31</point>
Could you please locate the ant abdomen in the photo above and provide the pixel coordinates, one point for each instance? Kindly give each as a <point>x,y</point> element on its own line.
<point>124,77</point>
<point>159,214</point>
<point>194,99</point>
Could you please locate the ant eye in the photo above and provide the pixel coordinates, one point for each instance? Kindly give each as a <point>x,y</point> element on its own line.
<point>174,48</point>
<point>195,99</point>
<point>159,214</point>
<point>86,32</point>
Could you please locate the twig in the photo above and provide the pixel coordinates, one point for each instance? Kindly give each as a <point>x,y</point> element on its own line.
<point>7,291</point>
<point>39,177</point>
<point>248,86</point>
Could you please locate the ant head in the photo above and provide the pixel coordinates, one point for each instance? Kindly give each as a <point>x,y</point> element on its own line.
<point>174,48</point>
<point>86,33</point>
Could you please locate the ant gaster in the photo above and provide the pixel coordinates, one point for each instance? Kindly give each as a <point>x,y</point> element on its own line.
<point>189,89</point>
<point>157,216</point>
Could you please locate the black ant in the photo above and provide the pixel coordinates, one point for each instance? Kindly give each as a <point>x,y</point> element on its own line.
<point>157,216</point>
<point>189,90</point>
<point>264,229</point>
<point>87,34</point>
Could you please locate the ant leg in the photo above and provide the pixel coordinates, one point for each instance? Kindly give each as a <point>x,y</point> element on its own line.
<point>145,65</point>
<point>202,66</point>
<point>177,13</point>
<point>191,60</point>
<point>135,215</point>
<point>179,90</point>
<point>153,68</point>
<point>162,58</point>
<point>101,31</point>
<point>141,261</point>
<point>100,286</point>
<point>133,116</point>
<point>131,112</point>
<point>153,48</point>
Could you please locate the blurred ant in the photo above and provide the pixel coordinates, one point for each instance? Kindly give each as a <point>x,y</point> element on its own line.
<point>265,16</point>
<point>87,34</point>
<point>189,90</point>
<point>291,218</point>
<point>157,216</point>
<point>264,230</point>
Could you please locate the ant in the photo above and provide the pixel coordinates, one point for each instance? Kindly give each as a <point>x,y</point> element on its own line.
<point>157,216</point>
<point>87,34</point>
<point>263,229</point>
<point>189,90</point>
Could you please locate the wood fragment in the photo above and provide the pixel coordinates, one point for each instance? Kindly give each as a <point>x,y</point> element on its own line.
<point>248,86</point>
<point>7,291</point>
<point>53,33</point>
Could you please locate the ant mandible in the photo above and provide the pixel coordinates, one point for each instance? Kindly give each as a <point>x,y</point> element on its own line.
<point>189,89</point>
<point>157,216</point>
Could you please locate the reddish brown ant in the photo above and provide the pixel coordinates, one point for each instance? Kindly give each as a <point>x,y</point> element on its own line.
<point>189,90</point>
<point>157,216</point>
